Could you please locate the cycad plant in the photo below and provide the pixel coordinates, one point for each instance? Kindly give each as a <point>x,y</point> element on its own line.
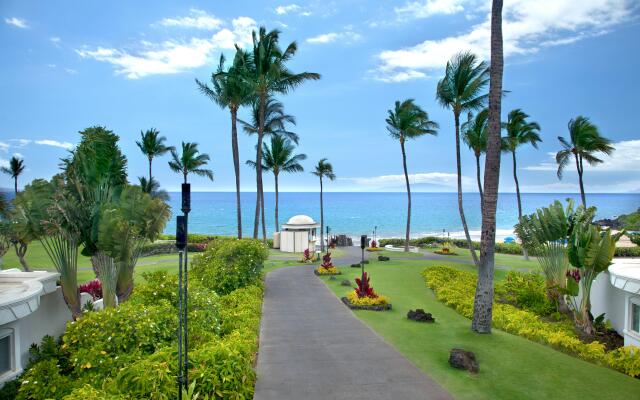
<point>474,135</point>
<point>279,157</point>
<point>519,132</point>
<point>462,90</point>
<point>152,145</point>
<point>583,144</point>
<point>405,122</point>
<point>190,161</point>
<point>15,169</point>
<point>323,169</point>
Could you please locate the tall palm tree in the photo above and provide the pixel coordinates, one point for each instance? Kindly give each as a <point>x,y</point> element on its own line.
<point>229,89</point>
<point>483,301</point>
<point>269,75</point>
<point>519,132</point>
<point>462,90</point>
<point>408,121</point>
<point>279,158</point>
<point>152,145</point>
<point>190,161</point>
<point>584,142</point>
<point>474,135</point>
<point>15,169</point>
<point>323,170</point>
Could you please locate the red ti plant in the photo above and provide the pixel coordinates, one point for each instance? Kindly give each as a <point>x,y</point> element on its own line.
<point>326,261</point>
<point>94,288</point>
<point>307,255</point>
<point>374,244</point>
<point>363,289</point>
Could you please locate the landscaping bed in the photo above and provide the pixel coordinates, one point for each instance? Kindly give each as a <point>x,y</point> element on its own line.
<point>379,307</point>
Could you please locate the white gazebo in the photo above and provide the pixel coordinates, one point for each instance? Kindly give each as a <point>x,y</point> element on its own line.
<point>297,235</point>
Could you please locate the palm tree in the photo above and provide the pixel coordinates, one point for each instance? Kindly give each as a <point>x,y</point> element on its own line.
<point>483,301</point>
<point>408,121</point>
<point>461,90</point>
<point>584,141</point>
<point>152,188</point>
<point>269,74</point>
<point>15,169</point>
<point>474,135</point>
<point>323,169</point>
<point>152,145</point>
<point>279,158</point>
<point>190,161</point>
<point>519,132</point>
<point>230,90</point>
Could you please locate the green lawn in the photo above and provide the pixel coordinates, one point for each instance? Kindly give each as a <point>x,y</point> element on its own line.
<point>391,254</point>
<point>508,261</point>
<point>510,367</point>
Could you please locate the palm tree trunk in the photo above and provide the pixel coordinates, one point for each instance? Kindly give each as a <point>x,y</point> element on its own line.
<point>478,176</point>
<point>236,166</point>
<point>185,176</point>
<point>15,184</point>
<point>321,219</point>
<point>150,162</point>
<point>406,178</point>
<point>275,176</point>
<point>264,226</point>
<point>460,207</point>
<point>256,220</point>
<point>515,178</point>
<point>580,170</point>
<point>483,301</point>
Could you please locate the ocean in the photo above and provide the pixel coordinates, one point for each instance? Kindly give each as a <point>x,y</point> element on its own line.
<point>354,214</point>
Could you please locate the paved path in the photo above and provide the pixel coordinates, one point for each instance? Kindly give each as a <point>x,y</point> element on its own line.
<point>313,347</point>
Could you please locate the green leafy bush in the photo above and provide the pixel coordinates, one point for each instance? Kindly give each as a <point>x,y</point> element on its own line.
<point>43,381</point>
<point>230,264</point>
<point>457,290</point>
<point>152,377</point>
<point>526,291</point>
<point>627,251</point>
<point>89,392</point>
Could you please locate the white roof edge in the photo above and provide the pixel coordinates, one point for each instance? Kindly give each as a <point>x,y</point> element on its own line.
<point>624,274</point>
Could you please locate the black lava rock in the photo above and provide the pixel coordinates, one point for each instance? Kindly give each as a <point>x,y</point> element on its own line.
<point>462,359</point>
<point>383,258</point>
<point>420,316</point>
<point>345,282</point>
<point>355,265</point>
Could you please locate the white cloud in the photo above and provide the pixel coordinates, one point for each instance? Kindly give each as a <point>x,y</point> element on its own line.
<point>281,10</point>
<point>20,142</point>
<point>623,186</point>
<point>17,22</point>
<point>4,147</point>
<point>70,71</point>
<point>424,9</point>
<point>528,26</point>
<point>55,143</point>
<point>171,57</point>
<point>18,155</point>
<point>399,76</point>
<point>4,163</point>
<point>51,65</point>
<point>55,39</point>
<point>432,178</point>
<point>197,19</point>
<point>345,37</point>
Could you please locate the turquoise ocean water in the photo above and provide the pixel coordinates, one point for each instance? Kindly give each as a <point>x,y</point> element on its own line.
<point>358,213</point>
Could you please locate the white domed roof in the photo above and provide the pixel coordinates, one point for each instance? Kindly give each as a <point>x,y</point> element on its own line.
<point>301,220</point>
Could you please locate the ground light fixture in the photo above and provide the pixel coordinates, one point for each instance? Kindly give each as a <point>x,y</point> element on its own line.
<point>182,235</point>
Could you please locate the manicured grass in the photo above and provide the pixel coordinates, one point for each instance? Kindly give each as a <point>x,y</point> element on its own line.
<point>391,254</point>
<point>510,367</point>
<point>510,261</point>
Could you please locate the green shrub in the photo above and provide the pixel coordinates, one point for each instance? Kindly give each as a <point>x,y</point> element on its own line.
<point>43,381</point>
<point>195,237</point>
<point>526,291</point>
<point>10,390</point>
<point>89,392</point>
<point>152,377</point>
<point>230,264</point>
<point>627,251</point>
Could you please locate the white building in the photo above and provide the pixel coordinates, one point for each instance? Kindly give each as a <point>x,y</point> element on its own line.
<point>297,235</point>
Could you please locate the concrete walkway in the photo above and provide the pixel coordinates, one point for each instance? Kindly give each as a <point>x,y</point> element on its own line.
<point>313,347</point>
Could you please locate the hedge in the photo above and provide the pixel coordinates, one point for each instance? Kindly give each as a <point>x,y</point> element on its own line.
<point>457,289</point>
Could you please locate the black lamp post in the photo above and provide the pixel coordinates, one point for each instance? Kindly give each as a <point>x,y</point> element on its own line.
<point>328,240</point>
<point>363,244</point>
<point>182,235</point>
<point>181,244</point>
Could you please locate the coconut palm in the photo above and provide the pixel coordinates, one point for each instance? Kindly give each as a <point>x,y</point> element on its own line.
<point>190,161</point>
<point>152,187</point>
<point>15,169</point>
<point>462,90</point>
<point>408,121</point>
<point>584,143</point>
<point>323,170</point>
<point>269,75</point>
<point>229,90</point>
<point>474,135</point>
<point>152,145</point>
<point>519,132</point>
<point>483,301</point>
<point>279,158</point>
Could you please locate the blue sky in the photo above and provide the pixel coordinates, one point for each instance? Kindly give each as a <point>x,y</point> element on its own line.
<point>131,66</point>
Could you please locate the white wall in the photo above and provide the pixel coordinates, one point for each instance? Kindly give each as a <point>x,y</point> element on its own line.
<point>605,298</point>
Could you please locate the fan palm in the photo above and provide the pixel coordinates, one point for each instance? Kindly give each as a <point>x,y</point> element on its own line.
<point>269,75</point>
<point>474,135</point>
<point>15,169</point>
<point>408,121</point>
<point>462,90</point>
<point>583,144</point>
<point>152,145</point>
<point>230,90</point>
<point>279,158</point>
<point>519,132</point>
<point>190,161</point>
<point>323,170</point>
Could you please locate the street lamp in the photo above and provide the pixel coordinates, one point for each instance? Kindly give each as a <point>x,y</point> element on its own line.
<point>182,236</point>
<point>363,244</point>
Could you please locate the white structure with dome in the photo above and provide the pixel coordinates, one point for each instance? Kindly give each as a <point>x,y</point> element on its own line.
<point>297,235</point>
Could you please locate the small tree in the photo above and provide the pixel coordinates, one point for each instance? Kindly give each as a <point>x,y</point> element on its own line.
<point>15,169</point>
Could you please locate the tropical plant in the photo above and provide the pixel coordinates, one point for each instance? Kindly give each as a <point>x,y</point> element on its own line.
<point>462,90</point>
<point>190,161</point>
<point>229,89</point>
<point>278,158</point>
<point>14,229</point>
<point>583,144</point>
<point>152,187</point>
<point>363,287</point>
<point>408,121</point>
<point>269,75</point>
<point>474,135</point>
<point>519,132</point>
<point>15,169</point>
<point>152,145</point>
<point>323,170</point>
<point>483,300</point>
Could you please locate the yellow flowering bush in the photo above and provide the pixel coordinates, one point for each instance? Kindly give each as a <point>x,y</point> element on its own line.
<point>327,271</point>
<point>457,290</point>
<point>366,301</point>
